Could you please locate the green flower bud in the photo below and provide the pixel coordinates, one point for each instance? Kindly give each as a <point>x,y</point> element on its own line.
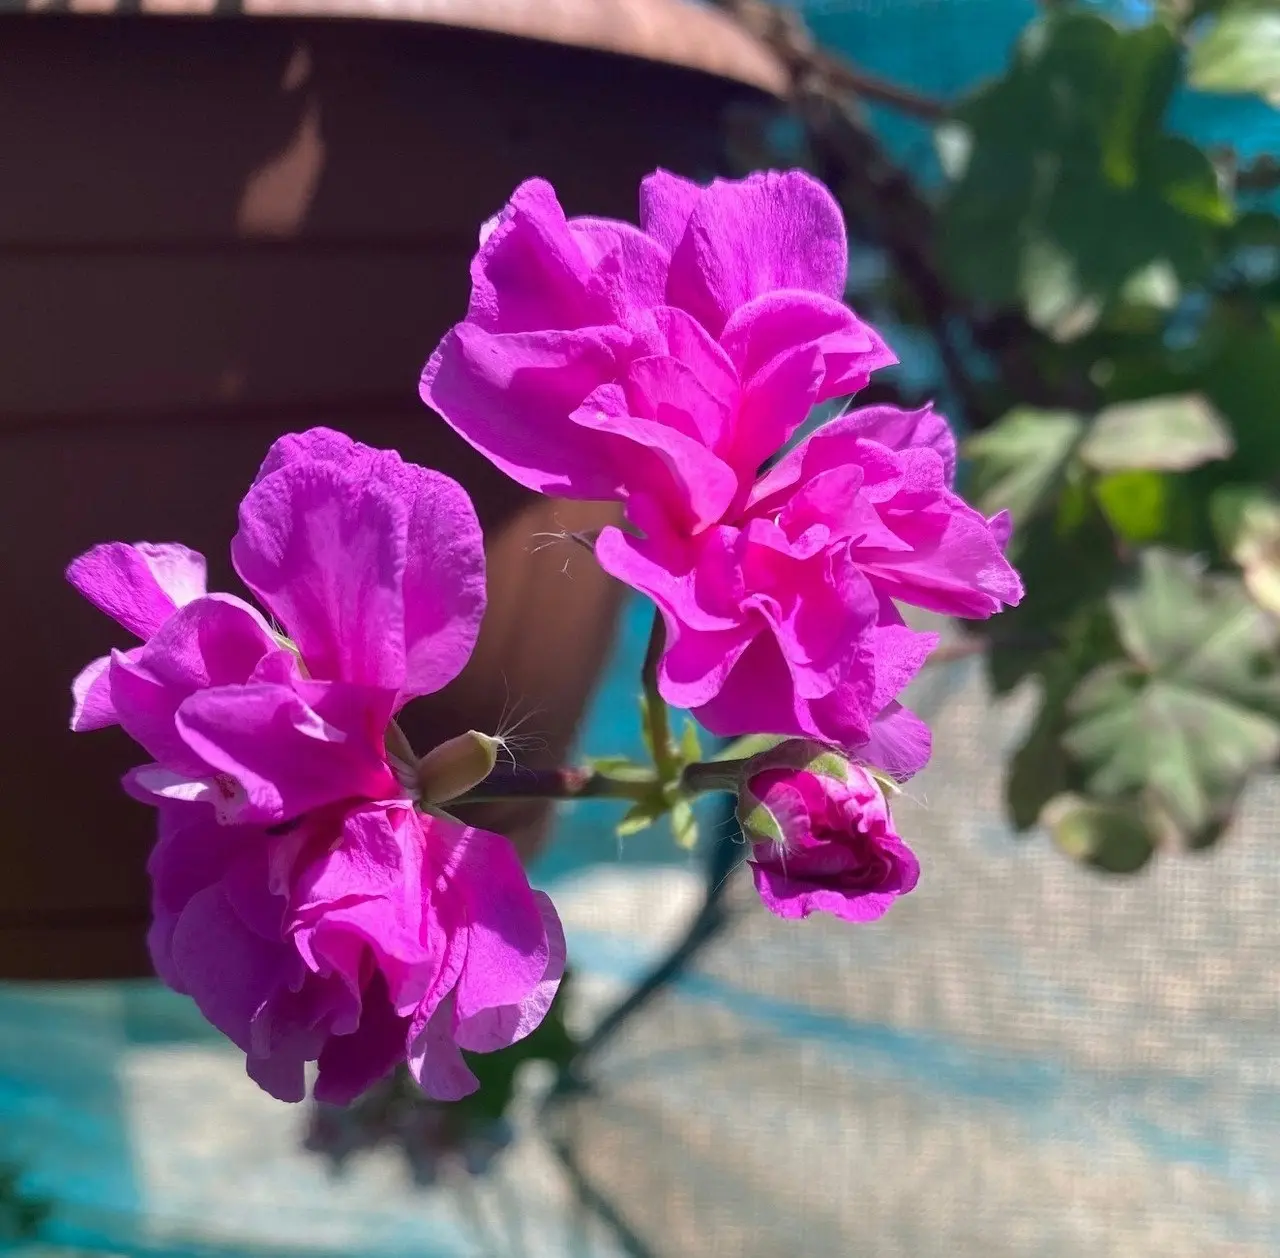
<point>453,768</point>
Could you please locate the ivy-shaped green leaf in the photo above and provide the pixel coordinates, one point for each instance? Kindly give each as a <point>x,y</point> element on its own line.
<point>1191,712</point>
<point>1018,463</point>
<point>1071,190</point>
<point>1162,434</point>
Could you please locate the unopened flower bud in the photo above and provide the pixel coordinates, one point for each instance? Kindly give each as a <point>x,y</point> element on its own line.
<point>454,767</point>
<point>822,837</point>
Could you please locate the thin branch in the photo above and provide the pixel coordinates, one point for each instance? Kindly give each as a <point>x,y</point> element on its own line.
<point>506,783</point>
<point>786,34</point>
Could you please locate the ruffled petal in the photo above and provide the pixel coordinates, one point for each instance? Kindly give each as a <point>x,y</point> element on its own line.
<point>444,580</point>
<point>227,969</point>
<point>478,381</point>
<point>793,350</point>
<point>351,1064</point>
<point>325,551</point>
<point>656,461</point>
<point>435,1060</point>
<point>91,706</point>
<point>214,641</point>
<point>497,1027</point>
<point>286,754</point>
<point>900,743</point>
<point>772,230</point>
<point>953,563</point>
<point>507,952</point>
<point>139,586</point>
<point>666,202</point>
<point>906,430</point>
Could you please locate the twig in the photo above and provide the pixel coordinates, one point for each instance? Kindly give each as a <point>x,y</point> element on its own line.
<point>506,783</point>
<point>785,33</point>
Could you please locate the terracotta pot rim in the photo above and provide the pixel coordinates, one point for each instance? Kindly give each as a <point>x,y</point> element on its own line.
<point>678,33</point>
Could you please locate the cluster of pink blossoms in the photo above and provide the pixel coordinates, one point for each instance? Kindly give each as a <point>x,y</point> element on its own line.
<point>307,893</point>
<point>661,367</point>
<point>301,896</point>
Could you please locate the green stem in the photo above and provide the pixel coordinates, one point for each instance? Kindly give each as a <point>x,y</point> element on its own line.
<point>507,783</point>
<point>655,708</point>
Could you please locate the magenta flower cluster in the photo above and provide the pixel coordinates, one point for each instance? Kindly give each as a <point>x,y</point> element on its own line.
<point>299,897</point>
<point>309,898</point>
<point>663,366</point>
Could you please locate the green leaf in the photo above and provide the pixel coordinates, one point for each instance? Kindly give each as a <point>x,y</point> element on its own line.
<point>1191,712</point>
<point>1071,188</point>
<point>1240,53</point>
<point>1038,769</point>
<point>1018,464</point>
<point>1243,382</point>
<point>1256,548</point>
<point>640,817</point>
<point>684,825</point>
<point>1067,560</point>
<point>620,768</point>
<point>1115,838</point>
<point>1140,506</point>
<point>690,746</point>
<point>1167,434</point>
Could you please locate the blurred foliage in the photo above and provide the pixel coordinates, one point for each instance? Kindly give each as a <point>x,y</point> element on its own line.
<point>22,1215</point>
<point>1104,296</point>
<point>1147,533</point>
<point>434,1136</point>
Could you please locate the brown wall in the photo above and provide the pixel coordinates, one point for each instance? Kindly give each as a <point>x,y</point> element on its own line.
<point>212,232</point>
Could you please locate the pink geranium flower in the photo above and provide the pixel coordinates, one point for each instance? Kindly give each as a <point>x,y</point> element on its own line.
<point>662,366</point>
<point>822,838</point>
<point>311,910</point>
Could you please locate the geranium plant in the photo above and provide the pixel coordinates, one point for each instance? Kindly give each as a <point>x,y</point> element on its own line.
<point>311,890</point>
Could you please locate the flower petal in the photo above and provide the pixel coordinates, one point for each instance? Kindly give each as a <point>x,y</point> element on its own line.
<point>954,564</point>
<point>351,1064</point>
<point>794,898</point>
<point>507,952</point>
<point>497,1027</point>
<point>772,230</point>
<point>444,584</point>
<point>214,641</point>
<point>900,743</point>
<point>530,273</point>
<point>227,969</point>
<point>628,269</point>
<point>435,1061</point>
<point>287,755</point>
<point>478,381</point>
<point>659,463</point>
<point>666,202</point>
<point>325,551</point>
<point>91,706</point>
<point>906,430</point>
<point>760,696</point>
<point>139,586</point>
